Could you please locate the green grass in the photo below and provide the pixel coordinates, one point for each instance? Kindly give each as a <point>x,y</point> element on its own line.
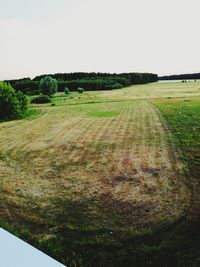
<point>31,113</point>
<point>103,114</point>
<point>183,117</point>
<point>74,98</point>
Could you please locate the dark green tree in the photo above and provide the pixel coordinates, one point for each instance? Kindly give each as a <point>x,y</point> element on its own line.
<point>12,104</point>
<point>48,86</point>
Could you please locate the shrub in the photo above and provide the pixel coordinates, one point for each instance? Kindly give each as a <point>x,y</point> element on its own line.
<point>12,104</point>
<point>48,86</point>
<point>23,101</point>
<point>42,99</point>
<point>117,86</point>
<point>80,90</point>
<point>66,90</point>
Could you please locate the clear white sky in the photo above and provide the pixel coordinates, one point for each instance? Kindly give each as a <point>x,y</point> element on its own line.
<point>50,36</point>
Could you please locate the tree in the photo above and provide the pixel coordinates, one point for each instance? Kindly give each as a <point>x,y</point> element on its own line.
<point>48,86</point>
<point>66,90</point>
<point>12,104</point>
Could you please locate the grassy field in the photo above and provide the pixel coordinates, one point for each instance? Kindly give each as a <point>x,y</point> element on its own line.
<point>106,178</point>
<point>150,91</point>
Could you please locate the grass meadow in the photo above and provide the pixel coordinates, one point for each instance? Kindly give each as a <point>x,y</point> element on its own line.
<point>107,178</point>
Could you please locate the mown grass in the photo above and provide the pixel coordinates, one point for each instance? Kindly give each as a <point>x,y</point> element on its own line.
<point>175,245</point>
<point>172,245</point>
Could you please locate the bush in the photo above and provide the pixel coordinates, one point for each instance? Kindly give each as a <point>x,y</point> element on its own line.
<point>23,101</point>
<point>66,90</point>
<point>117,86</point>
<point>42,99</point>
<point>48,86</point>
<point>80,90</point>
<point>12,104</point>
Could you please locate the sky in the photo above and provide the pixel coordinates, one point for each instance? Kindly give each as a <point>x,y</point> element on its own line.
<point>54,36</point>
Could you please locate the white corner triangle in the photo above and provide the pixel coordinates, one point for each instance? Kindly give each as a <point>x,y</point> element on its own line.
<point>16,253</point>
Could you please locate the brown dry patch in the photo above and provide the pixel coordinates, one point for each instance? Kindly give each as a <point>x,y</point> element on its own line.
<point>114,181</point>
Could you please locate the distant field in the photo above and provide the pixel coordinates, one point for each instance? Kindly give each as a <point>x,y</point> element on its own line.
<point>100,167</point>
<point>147,91</point>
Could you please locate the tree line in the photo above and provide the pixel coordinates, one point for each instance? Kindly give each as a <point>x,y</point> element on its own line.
<point>191,76</point>
<point>89,81</point>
